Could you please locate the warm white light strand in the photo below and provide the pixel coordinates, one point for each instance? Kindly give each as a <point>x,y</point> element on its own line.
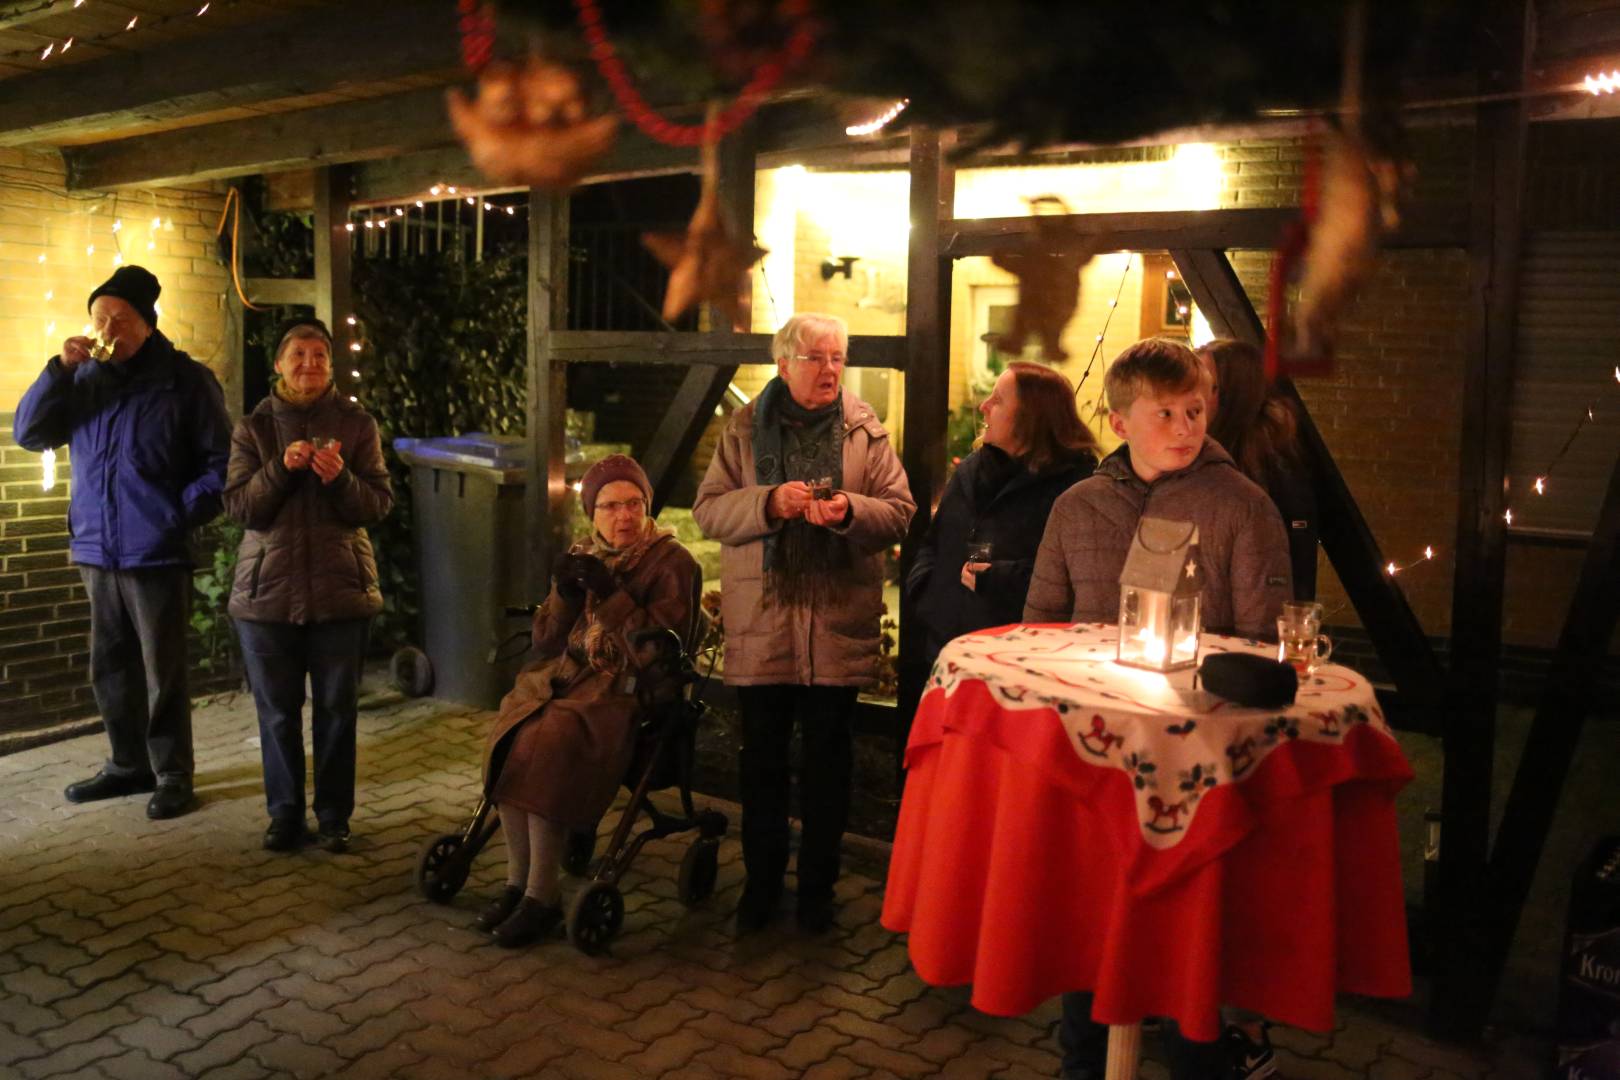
<point>878,123</point>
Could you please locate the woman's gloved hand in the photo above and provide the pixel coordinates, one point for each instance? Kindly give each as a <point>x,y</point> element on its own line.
<point>579,573</point>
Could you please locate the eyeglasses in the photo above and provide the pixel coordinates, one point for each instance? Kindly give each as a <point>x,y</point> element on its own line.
<point>635,506</point>
<point>823,359</point>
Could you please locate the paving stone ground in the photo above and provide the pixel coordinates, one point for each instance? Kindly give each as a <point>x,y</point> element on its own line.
<point>137,949</point>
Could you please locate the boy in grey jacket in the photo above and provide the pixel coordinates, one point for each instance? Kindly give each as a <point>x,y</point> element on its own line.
<point>1168,468</point>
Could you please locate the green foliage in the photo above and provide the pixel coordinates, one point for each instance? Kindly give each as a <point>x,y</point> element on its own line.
<point>445,352</point>
<point>211,584</point>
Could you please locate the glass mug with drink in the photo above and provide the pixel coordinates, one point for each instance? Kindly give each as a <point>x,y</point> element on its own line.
<point>821,488</point>
<point>1300,641</point>
<point>980,551</point>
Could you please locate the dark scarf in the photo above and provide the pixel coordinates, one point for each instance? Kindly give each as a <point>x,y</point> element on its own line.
<point>795,443</point>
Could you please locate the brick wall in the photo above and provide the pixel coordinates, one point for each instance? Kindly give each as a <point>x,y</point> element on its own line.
<point>44,616</point>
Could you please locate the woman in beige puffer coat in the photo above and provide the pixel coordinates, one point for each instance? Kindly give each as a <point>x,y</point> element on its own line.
<point>306,477</point>
<point>804,493</point>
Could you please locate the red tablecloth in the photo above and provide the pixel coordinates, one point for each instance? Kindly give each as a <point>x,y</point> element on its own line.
<point>1023,869</point>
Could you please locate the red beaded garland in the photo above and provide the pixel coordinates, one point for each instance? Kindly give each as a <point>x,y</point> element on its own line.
<point>477,25</point>
<point>634,106</point>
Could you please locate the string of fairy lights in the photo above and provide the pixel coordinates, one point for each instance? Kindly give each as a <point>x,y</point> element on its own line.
<point>58,47</point>
<point>1542,482</point>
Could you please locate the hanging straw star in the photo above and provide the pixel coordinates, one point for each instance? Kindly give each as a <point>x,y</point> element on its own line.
<point>705,263</point>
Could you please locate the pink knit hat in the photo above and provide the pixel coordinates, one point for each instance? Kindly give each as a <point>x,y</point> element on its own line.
<point>604,472</point>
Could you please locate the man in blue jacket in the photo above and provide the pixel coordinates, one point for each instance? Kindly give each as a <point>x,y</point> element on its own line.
<point>149,439</point>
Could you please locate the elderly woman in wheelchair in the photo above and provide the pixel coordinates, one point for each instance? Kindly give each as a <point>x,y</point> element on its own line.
<point>566,733</point>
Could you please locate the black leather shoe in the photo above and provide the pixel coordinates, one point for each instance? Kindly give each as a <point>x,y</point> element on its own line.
<point>334,836</point>
<point>530,921</point>
<point>170,800</point>
<point>756,909</point>
<point>284,834</point>
<point>816,914</point>
<point>498,909</point>
<point>105,785</point>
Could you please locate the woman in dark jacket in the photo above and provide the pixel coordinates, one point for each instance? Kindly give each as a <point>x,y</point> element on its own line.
<point>1260,429</point>
<point>1034,449</point>
<point>306,477</point>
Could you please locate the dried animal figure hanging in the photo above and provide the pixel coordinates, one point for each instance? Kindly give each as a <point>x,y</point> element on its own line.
<point>1350,203</point>
<point>529,125</point>
<point>705,264</point>
<point>1048,272</point>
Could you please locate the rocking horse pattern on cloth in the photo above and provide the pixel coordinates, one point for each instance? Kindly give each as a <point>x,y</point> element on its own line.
<point>1175,743</point>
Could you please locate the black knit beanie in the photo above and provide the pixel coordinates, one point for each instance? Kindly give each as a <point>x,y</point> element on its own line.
<point>135,286</point>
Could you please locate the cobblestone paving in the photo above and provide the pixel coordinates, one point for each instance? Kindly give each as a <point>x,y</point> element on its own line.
<point>149,950</point>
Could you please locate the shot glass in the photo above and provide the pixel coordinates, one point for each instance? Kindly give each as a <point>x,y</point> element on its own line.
<point>101,349</point>
<point>322,442</point>
<point>821,488</point>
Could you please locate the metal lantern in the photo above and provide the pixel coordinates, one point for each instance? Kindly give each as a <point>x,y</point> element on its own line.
<point>1159,617</point>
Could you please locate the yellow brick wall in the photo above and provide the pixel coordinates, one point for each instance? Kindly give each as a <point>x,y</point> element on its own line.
<point>38,218</point>
<point>47,270</point>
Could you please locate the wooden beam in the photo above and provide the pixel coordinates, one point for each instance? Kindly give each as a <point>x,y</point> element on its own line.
<point>15,15</point>
<point>334,266</point>
<point>928,380</point>
<point>352,131</point>
<point>1166,229</point>
<point>262,290</point>
<point>661,347</point>
<point>1466,981</point>
<point>546,494</point>
<point>1219,295</point>
<point>288,56</point>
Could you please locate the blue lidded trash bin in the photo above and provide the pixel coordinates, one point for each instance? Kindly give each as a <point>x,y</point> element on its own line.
<point>468,523</point>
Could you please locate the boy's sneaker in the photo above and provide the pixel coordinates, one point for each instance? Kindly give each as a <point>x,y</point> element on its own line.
<point>1247,1058</point>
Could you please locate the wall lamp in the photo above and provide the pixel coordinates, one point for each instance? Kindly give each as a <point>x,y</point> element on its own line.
<point>832,266</point>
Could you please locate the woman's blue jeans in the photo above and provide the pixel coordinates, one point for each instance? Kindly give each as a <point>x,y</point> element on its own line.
<point>279,657</point>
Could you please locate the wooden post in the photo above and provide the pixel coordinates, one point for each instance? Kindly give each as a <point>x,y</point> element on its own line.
<point>334,266</point>
<point>1506,42</point>
<point>546,494</point>
<point>1124,1051</point>
<point>928,376</point>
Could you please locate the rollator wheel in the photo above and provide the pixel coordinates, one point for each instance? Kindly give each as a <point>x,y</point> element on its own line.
<point>699,869</point>
<point>595,916</point>
<point>577,853</point>
<point>440,874</point>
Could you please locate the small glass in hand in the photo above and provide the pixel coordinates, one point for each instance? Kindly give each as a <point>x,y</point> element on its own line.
<point>821,488</point>
<point>979,551</point>
<point>322,442</point>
